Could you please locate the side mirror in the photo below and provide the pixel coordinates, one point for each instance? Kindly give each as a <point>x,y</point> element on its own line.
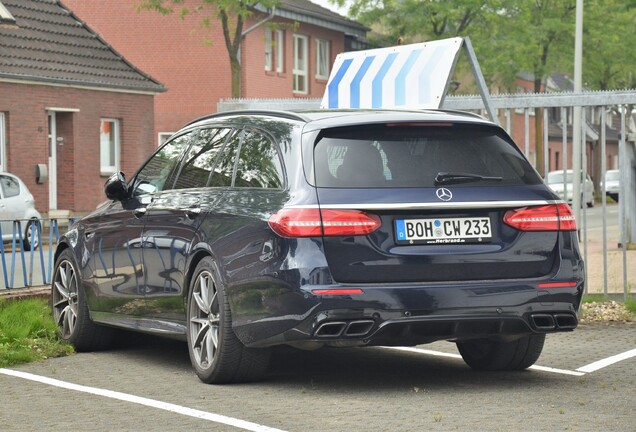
<point>115,187</point>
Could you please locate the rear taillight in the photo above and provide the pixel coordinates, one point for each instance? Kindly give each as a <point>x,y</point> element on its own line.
<point>552,217</point>
<point>315,223</point>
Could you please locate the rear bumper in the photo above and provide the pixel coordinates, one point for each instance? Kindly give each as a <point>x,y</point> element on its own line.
<point>411,315</point>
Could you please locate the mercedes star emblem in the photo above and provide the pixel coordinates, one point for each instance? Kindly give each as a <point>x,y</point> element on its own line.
<point>444,194</point>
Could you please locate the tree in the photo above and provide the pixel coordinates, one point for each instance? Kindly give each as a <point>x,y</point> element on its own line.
<point>230,13</point>
<point>609,59</point>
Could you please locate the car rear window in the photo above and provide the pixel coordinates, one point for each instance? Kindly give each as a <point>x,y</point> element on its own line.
<point>381,156</point>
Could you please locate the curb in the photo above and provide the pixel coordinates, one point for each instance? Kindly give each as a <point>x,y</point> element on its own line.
<point>22,293</point>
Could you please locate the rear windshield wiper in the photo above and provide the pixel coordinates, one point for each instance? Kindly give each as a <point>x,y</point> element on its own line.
<point>444,178</point>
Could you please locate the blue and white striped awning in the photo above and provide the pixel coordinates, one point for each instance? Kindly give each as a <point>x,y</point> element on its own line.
<point>405,76</point>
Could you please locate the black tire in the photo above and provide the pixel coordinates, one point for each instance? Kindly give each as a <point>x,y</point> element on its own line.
<point>216,354</point>
<point>33,226</point>
<point>484,354</point>
<point>70,310</point>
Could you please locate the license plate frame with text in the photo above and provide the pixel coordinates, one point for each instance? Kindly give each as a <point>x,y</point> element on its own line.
<point>443,230</point>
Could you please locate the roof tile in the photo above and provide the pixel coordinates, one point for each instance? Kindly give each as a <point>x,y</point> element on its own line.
<point>50,44</point>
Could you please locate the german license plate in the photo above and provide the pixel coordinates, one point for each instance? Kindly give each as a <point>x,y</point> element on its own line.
<point>443,230</point>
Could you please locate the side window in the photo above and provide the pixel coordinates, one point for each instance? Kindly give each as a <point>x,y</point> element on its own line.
<point>201,158</point>
<point>224,169</point>
<point>159,172</point>
<point>109,146</point>
<point>10,186</point>
<point>259,163</point>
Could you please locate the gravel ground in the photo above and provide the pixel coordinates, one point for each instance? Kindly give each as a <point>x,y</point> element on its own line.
<point>609,311</point>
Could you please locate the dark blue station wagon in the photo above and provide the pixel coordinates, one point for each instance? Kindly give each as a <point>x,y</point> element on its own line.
<point>253,229</point>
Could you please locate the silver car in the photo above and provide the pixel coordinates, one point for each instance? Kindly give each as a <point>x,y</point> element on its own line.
<point>17,204</point>
<point>564,186</point>
<point>612,183</point>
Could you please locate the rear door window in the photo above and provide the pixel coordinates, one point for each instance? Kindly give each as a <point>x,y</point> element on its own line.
<point>379,156</point>
<point>259,164</point>
<point>201,158</point>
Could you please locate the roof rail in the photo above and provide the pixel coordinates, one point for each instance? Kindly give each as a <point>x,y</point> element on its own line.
<point>274,113</point>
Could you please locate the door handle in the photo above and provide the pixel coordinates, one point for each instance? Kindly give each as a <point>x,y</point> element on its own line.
<point>140,212</point>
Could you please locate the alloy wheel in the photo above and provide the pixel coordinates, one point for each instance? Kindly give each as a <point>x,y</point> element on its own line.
<point>205,320</point>
<point>65,298</point>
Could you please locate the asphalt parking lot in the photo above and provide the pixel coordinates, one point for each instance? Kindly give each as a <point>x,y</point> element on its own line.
<point>584,382</point>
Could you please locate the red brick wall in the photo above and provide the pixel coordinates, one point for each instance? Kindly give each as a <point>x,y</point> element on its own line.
<point>80,185</point>
<point>258,83</point>
<point>197,76</point>
<point>170,50</point>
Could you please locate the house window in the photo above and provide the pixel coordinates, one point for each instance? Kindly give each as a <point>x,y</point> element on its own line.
<point>280,51</point>
<point>163,137</point>
<point>274,50</point>
<point>322,59</point>
<point>109,146</point>
<point>2,135</point>
<point>300,64</point>
<point>269,50</point>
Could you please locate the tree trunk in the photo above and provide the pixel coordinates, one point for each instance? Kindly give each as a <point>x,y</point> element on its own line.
<point>235,66</point>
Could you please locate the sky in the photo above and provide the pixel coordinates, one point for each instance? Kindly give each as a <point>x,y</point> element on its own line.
<point>325,3</point>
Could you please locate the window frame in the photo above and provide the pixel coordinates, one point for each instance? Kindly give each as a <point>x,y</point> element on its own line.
<point>269,50</point>
<point>300,72</point>
<point>163,137</point>
<point>2,142</point>
<point>280,51</point>
<point>106,170</point>
<point>323,45</point>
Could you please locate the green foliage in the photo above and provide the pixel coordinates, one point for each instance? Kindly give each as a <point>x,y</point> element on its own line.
<point>609,32</point>
<point>28,332</point>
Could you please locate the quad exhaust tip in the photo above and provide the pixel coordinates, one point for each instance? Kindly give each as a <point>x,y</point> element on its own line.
<point>335,329</point>
<point>549,322</point>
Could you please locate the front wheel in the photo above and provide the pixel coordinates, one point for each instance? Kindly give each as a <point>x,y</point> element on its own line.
<point>215,352</point>
<point>70,310</point>
<point>484,354</point>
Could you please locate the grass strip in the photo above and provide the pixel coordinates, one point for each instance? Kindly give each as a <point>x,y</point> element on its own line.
<point>28,332</point>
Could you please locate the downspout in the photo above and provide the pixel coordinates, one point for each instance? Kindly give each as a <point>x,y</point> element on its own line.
<point>248,31</point>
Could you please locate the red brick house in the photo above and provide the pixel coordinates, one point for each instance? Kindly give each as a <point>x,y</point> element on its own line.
<point>71,107</point>
<point>288,56</point>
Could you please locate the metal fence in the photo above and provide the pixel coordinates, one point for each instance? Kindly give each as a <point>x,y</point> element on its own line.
<point>34,266</point>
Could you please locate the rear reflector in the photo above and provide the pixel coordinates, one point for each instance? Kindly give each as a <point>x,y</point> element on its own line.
<point>348,291</point>
<point>552,217</point>
<point>315,223</point>
<point>557,285</point>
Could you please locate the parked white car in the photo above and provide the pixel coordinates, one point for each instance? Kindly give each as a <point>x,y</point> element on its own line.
<point>17,203</point>
<point>612,183</point>
<point>556,182</point>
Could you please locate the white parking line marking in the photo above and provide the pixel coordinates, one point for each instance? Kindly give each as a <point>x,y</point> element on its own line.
<point>592,367</point>
<point>203,415</point>
<point>457,356</point>
<point>425,351</point>
<point>555,370</point>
